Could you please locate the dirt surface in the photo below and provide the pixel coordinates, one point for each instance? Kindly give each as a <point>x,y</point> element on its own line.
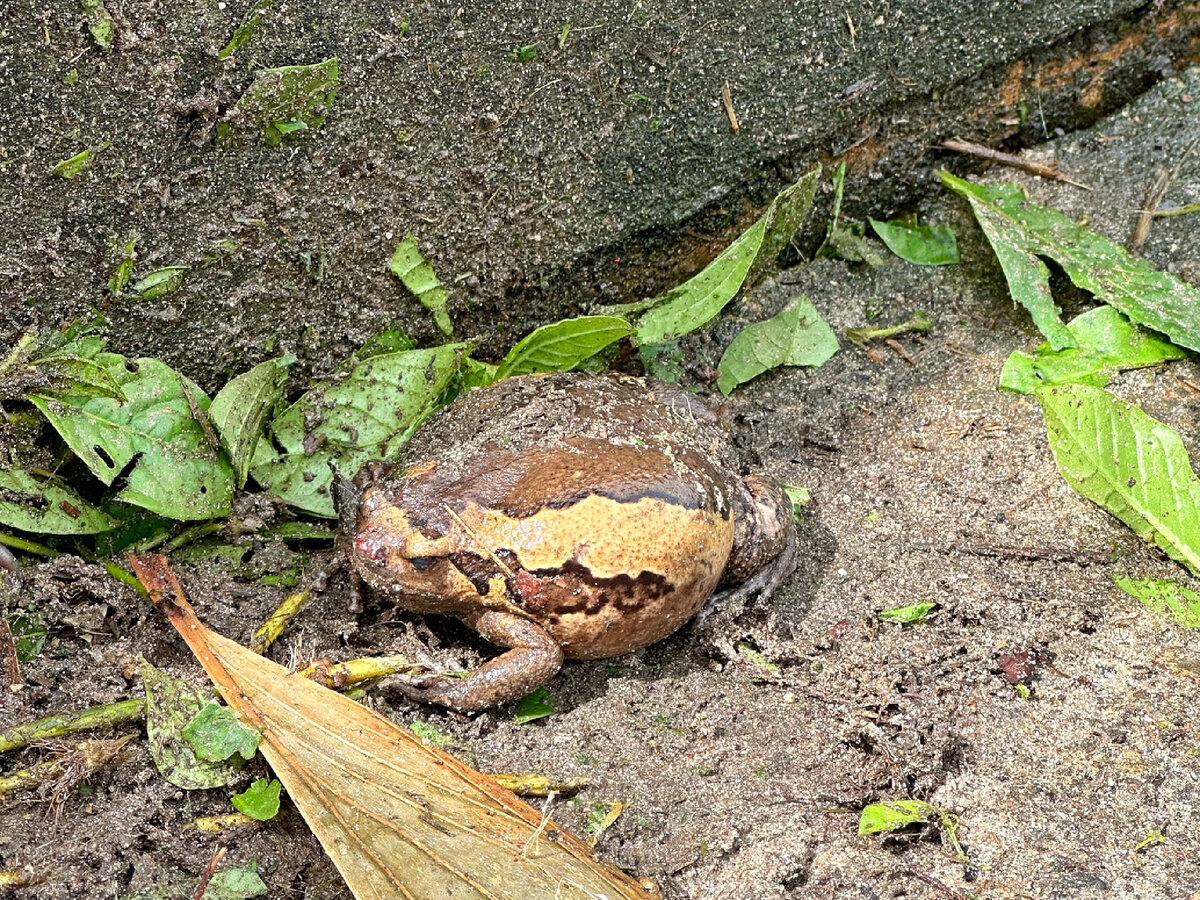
<point>745,780</point>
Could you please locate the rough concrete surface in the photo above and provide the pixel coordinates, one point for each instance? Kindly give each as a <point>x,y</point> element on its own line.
<point>537,188</point>
<point>742,780</point>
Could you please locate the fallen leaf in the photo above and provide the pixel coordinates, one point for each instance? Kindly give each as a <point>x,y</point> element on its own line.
<point>399,819</point>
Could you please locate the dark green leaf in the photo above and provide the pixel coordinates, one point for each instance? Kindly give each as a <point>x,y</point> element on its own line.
<point>1130,464</point>
<point>1106,342</point>
<point>923,245</point>
<point>536,705</point>
<point>259,801</point>
<point>561,346</point>
<point>288,99</point>
<point>1021,232</point>
<point>170,704</point>
<point>702,297</point>
<point>47,507</point>
<point>366,414</point>
<point>240,410</point>
<point>796,336</point>
<point>416,274</point>
<point>177,473</point>
<point>29,634</point>
<point>216,734</point>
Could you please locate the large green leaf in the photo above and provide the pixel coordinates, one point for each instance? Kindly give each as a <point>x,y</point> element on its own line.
<point>1022,232</point>
<point>47,507</point>
<point>171,703</point>
<point>366,414</point>
<point>796,336</point>
<point>1135,467</point>
<point>177,473</point>
<point>241,408</point>
<point>700,298</point>
<point>1180,603</point>
<point>561,346</point>
<point>1106,342</point>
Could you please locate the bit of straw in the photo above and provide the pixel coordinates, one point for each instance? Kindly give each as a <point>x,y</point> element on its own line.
<point>1008,159</point>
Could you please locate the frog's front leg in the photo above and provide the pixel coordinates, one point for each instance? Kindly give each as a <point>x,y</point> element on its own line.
<point>534,658</point>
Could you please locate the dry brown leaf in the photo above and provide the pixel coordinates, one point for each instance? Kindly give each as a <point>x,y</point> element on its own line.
<point>399,819</point>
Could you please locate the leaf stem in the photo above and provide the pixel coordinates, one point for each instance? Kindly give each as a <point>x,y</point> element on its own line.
<point>59,726</point>
<point>18,543</point>
<point>861,336</point>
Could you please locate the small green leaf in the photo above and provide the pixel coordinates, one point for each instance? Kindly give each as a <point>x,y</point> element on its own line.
<point>430,735</point>
<point>29,634</point>
<point>259,801</point>
<point>1021,232</point>
<point>561,346</point>
<point>1106,343</point>
<point>246,30</point>
<point>171,704</point>
<point>416,274</point>
<point>241,883</point>
<point>365,414</point>
<point>907,615</point>
<point>878,818</point>
<point>535,705</point>
<point>159,282</point>
<point>800,497</point>
<point>662,361</point>
<point>99,22</point>
<point>240,410</point>
<point>1180,603</point>
<point>796,336</point>
<point>47,506</point>
<point>177,472</point>
<point>527,53</point>
<point>846,240</point>
<point>124,270</point>
<point>922,245</point>
<point>216,734</point>
<point>1129,464</point>
<point>283,101</point>
<point>73,165</point>
<point>702,297</point>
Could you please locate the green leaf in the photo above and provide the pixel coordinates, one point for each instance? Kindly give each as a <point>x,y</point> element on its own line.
<point>241,883</point>
<point>124,270</point>
<point>240,410</point>
<point>216,733</point>
<point>922,245</point>
<point>245,31</point>
<point>171,704</point>
<point>29,634</point>
<point>431,735</point>
<point>907,615</point>
<point>289,99</point>
<point>1106,342</point>
<point>365,414</point>
<point>177,473</point>
<point>846,240</point>
<point>1021,232</point>
<point>878,818</point>
<point>159,282</point>
<point>259,801</point>
<point>662,361</point>
<point>796,336</point>
<point>99,22</point>
<point>416,274</point>
<point>703,296</point>
<point>535,705</point>
<point>1131,465</point>
<point>47,507</point>
<point>561,346</point>
<point>800,497</point>
<point>73,165</point>
<point>1180,603</point>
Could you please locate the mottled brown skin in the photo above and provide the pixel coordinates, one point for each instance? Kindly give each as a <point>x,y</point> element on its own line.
<point>575,516</point>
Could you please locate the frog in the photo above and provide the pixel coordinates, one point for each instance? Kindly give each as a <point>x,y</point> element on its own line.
<point>563,516</point>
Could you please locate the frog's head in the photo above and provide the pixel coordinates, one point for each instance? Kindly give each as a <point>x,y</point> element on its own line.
<point>764,537</point>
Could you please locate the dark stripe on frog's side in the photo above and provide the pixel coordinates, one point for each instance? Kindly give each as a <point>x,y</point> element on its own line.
<point>623,592</point>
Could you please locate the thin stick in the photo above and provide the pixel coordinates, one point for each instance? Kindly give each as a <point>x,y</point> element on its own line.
<point>1007,159</point>
<point>727,99</point>
<point>1155,191</point>
<point>58,726</point>
<point>209,872</point>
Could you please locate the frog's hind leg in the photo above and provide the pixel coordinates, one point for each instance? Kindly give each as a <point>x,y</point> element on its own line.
<point>533,659</point>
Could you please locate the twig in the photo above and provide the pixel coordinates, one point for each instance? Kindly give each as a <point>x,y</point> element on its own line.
<point>58,726</point>
<point>860,337</point>
<point>1054,554</point>
<point>209,872</point>
<point>1008,159</point>
<point>1155,191</point>
<point>727,99</point>
<point>1178,210</point>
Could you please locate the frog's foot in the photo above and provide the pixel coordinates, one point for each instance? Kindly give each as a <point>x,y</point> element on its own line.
<point>534,658</point>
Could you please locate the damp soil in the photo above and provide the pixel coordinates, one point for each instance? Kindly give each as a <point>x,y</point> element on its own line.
<point>744,748</point>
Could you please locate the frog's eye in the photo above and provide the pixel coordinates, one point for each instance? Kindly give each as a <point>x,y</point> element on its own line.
<point>422,563</point>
